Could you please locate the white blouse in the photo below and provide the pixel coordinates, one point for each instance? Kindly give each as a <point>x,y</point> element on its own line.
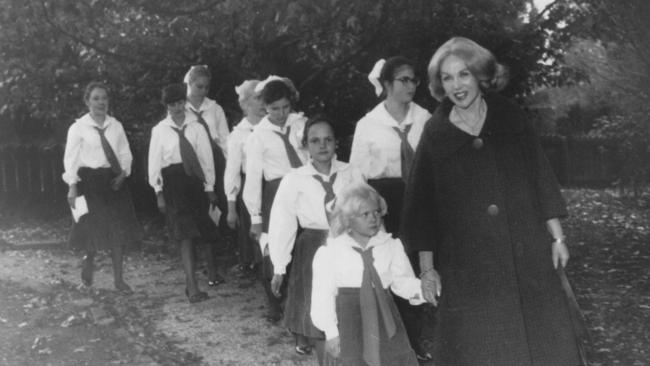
<point>216,120</point>
<point>300,200</point>
<point>83,147</point>
<point>376,146</point>
<point>266,158</point>
<point>338,265</point>
<point>236,162</point>
<point>164,149</point>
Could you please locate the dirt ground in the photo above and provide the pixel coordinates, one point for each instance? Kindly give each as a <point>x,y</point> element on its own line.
<point>46,318</point>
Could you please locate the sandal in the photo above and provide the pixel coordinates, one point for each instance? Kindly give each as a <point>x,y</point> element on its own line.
<point>423,356</point>
<point>218,279</point>
<point>303,350</point>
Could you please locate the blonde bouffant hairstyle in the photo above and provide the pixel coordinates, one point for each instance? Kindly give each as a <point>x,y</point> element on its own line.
<point>348,204</point>
<point>491,75</point>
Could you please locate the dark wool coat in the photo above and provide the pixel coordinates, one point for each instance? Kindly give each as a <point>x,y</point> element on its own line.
<point>480,204</point>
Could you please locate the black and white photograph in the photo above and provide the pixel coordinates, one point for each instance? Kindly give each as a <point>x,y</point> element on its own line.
<point>324,182</point>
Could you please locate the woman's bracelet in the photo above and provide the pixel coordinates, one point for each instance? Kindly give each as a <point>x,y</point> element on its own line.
<point>559,240</point>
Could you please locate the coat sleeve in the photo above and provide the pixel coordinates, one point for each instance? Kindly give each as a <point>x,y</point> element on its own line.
<point>360,150</point>
<point>404,283</point>
<point>283,224</point>
<point>232,173</point>
<point>323,293</point>
<point>550,201</point>
<point>154,165</point>
<point>252,193</point>
<point>419,226</point>
<point>124,150</point>
<point>71,155</point>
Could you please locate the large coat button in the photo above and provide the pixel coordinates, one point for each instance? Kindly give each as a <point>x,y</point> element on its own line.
<point>477,143</point>
<point>493,210</point>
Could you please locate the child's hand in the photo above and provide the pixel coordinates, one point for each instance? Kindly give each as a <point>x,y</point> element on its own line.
<point>333,346</point>
<point>256,231</point>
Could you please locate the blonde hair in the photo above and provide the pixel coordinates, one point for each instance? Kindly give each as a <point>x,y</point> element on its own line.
<point>491,75</point>
<point>245,91</point>
<point>348,203</point>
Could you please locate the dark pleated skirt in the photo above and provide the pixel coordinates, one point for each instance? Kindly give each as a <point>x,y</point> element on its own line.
<point>394,351</point>
<point>111,220</point>
<point>392,190</point>
<point>249,251</point>
<point>186,205</point>
<point>298,306</point>
<point>269,189</point>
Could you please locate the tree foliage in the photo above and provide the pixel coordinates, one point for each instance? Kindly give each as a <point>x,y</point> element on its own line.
<point>612,48</point>
<point>49,49</point>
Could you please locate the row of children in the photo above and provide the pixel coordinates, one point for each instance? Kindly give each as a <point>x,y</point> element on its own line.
<point>277,174</point>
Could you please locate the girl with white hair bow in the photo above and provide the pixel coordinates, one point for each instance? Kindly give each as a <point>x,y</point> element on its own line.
<point>383,148</point>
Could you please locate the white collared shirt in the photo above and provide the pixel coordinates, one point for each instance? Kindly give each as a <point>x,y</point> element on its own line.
<point>164,149</point>
<point>300,200</point>
<point>266,158</point>
<point>338,265</point>
<point>216,120</point>
<point>83,147</point>
<point>236,162</point>
<point>376,146</point>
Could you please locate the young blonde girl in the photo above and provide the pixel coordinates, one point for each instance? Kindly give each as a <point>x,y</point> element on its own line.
<point>355,271</point>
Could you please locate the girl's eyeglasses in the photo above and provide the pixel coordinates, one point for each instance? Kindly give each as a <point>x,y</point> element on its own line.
<point>406,80</point>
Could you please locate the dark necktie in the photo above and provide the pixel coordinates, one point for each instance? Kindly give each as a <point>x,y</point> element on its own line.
<point>327,186</point>
<point>374,303</point>
<point>294,160</point>
<point>108,151</point>
<point>406,151</point>
<point>199,116</point>
<point>188,156</point>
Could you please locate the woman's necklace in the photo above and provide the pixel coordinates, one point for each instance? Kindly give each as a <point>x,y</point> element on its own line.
<point>475,124</point>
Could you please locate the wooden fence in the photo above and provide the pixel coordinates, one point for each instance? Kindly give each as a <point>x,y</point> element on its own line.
<point>35,173</point>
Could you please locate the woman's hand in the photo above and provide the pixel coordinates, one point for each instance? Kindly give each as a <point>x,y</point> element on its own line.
<point>431,286</point>
<point>276,284</point>
<point>160,201</point>
<point>333,346</point>
<point>256,231</point>
<point>72,195</point>
<point>559,253</point>
<point>116,183</point>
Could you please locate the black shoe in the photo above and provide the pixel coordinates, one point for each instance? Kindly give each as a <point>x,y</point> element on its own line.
<point>303,350</point>
<point>218,279</point>
<point>273,318</point>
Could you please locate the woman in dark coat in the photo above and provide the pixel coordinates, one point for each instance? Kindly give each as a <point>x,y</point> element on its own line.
<point>482,208</point>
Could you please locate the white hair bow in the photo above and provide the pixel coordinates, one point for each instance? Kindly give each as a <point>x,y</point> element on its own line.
<point>260,86</point>
<point>186,78</point>
<point>373,77</point>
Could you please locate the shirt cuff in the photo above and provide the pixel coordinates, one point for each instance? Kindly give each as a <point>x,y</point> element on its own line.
<point>331,332</point>
<point>208,188</point>
<point>70,179</point>
<point>280,269</point>
<point>256,219</point>
<point>231,197</point>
